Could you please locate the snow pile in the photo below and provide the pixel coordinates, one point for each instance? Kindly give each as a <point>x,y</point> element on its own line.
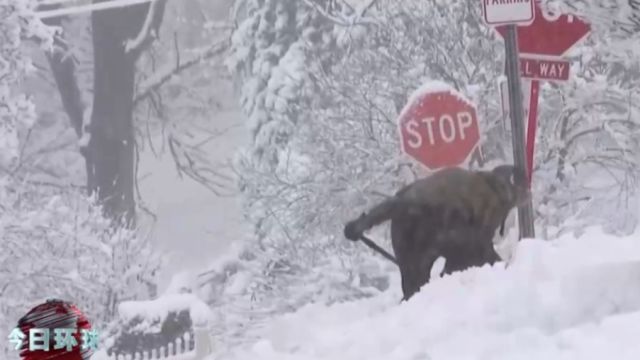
<point>566,299</point>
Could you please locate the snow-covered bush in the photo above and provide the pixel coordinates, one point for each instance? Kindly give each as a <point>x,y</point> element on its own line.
<point>57,243</point>
<point>250,286</point>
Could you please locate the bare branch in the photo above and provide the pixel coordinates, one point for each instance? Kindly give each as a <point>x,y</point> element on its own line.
<point>366,8</point>
<point>197,168</point>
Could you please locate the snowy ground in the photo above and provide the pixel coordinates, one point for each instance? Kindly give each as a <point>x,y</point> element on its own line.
<point>566,299</point>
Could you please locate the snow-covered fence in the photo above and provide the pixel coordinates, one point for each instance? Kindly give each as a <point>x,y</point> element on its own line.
<point>172,325</point>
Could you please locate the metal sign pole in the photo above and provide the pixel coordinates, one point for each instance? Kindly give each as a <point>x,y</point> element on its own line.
<point>525,212</point>
<point>532,126</point>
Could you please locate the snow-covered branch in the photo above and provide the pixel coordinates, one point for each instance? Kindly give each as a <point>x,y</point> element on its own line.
<point>88,8</point>
<point>353,19</point>
<point>191,161</point>
<point>155,81</point>
<point>149,29</point>
<point>59,2</point>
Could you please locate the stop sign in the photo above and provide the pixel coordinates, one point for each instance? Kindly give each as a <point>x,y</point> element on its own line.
<point>549,35</point>
<point>438,126</point>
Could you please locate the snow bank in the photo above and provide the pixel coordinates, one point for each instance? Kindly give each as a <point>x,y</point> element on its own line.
<point>566,299</point>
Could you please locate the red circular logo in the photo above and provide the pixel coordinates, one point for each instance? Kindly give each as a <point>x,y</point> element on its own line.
<point>54,330</point>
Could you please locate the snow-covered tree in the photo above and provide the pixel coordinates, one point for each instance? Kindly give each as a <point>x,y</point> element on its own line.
<point>172,70</point>
<point>103,120</point>
<point>325,139</point>
<point>56,241</point>
<point>17,113</point>
<point>340,149</point>
<point>182,87</point>
<point>271,48</point>
<point>586,165</point>
<point>344,149</point>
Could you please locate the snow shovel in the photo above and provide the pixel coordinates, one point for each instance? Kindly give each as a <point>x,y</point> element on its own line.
<point>372,245</point>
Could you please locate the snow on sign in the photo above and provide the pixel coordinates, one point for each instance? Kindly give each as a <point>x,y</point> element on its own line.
<point>438,126</point>
<point>502,12</point>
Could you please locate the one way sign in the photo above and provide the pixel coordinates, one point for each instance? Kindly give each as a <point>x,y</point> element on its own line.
<point>544,69</point>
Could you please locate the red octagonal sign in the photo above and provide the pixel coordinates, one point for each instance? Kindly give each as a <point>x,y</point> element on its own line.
<point>438,126</point>
<point>551,35</point>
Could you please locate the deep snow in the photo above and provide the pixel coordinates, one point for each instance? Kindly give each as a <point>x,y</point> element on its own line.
<point>566,299</point>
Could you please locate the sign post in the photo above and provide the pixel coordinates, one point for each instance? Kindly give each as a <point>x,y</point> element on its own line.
<point>516,110</point>
<point>544,40</point>
<point>530,92</point>
<point>513,13</point>
<point>532,126</point>
<point>438,126</point>
<point>504,95</point>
